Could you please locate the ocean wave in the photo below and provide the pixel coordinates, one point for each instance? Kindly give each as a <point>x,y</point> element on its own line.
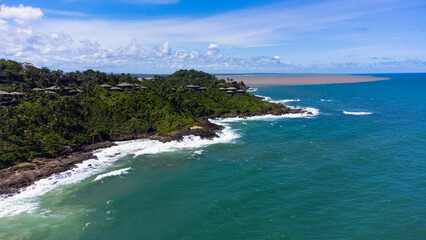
<point>312,110</point>
<point>118,172</point>
<point>270,117</point>
<point>252,90</point>
<point>26,200</point>
<point>199,152</point>
<point>285,100</point>
<point>269,99</point>
<point>326,100</point>
<point>357,113</point>
<point>264,98</point>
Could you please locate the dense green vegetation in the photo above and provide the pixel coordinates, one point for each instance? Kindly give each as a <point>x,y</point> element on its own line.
<point>39,124</point>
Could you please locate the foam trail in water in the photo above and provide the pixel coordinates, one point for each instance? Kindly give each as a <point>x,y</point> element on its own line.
<point>271,117</point>
<point>312,110</point>
<point>326,100</point>
<point>226,135</point>
<point>26,201</point>
<point>285,100</point>
<point>252,90</point>
<point>118,172</point>
<point>199,152</point>
<point>264,98</point>
<point>357,113</point>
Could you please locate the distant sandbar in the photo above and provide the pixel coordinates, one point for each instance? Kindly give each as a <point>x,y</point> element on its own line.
<point>300,79</point>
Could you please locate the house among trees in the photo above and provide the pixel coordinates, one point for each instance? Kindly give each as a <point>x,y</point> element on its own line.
<point>106,86</point>
<point>3,95</point>
<point>4,98</point>
<point>241,91</point>
<point>38,89</point>
<point>116,89</point>
<point>53,89</point>
<point>125,85</point>
<point>16,94</point>
<point>196,88</point>
<point>7,98</point>
<point>58,90</point>
<point>193,87</point>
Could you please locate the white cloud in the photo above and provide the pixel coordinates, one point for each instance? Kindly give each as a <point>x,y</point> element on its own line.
<point>73,44</point>
<point>165,50</point>
<point>20,14</point>
<point>65,13</point>
<point>213,49</point>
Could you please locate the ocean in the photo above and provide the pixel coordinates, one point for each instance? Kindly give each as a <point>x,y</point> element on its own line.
<point>355,169</point>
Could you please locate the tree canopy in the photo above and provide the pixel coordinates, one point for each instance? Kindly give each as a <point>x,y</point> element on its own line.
<point>39,124</point>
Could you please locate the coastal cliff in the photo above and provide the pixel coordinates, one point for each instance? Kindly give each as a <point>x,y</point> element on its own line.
<point>53,120</point>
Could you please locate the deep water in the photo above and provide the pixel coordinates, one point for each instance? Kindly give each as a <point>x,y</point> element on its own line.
<point>357,170</point>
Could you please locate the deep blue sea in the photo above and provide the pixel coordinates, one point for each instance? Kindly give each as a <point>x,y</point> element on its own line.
<point>356,169</point>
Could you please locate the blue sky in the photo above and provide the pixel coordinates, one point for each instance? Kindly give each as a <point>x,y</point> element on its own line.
<point>161,36</point>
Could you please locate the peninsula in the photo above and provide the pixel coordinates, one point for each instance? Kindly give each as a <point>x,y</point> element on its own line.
<point>50,120</point>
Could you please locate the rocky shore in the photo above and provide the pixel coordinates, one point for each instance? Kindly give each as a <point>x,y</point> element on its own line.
<point>15,178</point>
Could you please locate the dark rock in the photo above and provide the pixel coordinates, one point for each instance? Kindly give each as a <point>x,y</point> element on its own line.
<point>14,178</point>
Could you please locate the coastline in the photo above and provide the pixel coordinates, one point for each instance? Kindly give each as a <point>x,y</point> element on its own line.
<point>14,179</point>
<point>302,79</point>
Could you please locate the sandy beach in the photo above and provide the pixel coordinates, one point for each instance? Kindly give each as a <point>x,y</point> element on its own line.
<point>300,79</point>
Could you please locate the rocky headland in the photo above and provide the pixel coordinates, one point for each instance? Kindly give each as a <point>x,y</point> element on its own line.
<point>14,179</point>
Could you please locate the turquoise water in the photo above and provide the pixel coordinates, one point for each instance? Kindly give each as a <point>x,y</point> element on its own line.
<point>331,176</point>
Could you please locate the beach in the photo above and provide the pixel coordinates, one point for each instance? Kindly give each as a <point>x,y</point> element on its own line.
<point>300,79</point>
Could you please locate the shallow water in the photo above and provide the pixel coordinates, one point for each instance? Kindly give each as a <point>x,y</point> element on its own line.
<point>331,176</point>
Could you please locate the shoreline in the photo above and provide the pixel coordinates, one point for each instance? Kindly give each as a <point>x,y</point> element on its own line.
<point>303,79</point>
<point>15,178</point>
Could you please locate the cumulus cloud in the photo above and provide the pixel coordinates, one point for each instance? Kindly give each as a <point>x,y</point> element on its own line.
<point>72,43</point>
<point>20,14</point>
<point>165,50</point>
<point>213,49</point>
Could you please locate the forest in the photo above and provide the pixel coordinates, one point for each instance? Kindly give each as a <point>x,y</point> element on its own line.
<point>41,123</point>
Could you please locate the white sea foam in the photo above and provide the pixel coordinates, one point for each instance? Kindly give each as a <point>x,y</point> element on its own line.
<point>199,152</point>
<point>266,99</point>
<point>357,113</point>
<point>252,90</point>
<point>118,172</point>
<point>285,100</point>
<point>27,200</point>
<point>308,110</point>
<point>326,100</point>
<point>270,117</point>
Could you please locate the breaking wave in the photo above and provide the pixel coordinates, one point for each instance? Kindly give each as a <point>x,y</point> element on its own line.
<point>357,113</point>
<point>252,90</point>
<point>26,200</point>
<point>113,173</point>
<point>285,100</point>
<point>264,98</point>
<point>312,110</point>
<point>271,117</point>
<point>326,100</point>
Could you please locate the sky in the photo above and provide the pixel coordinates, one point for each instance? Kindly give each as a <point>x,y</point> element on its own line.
<point>221,36</point>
